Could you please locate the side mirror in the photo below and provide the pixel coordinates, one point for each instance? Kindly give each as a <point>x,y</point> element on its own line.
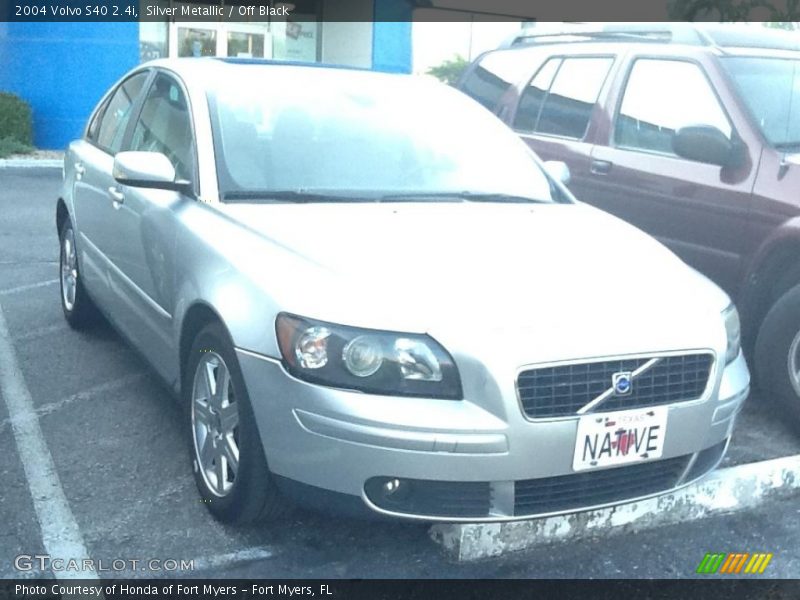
<point>707,144</point>
<point>148,170</point>
<point>558,170</point>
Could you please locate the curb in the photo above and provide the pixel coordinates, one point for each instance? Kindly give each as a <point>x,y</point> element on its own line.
<point>31,163</point>
<point>722,491</point>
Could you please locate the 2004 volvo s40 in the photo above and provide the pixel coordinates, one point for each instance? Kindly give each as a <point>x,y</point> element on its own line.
<point>369,293</point>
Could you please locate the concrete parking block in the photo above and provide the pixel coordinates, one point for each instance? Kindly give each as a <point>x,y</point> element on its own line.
<point>723,491</point>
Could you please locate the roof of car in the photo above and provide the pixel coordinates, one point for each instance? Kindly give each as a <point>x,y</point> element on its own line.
<point>190,67</point>
<point>722,38</point>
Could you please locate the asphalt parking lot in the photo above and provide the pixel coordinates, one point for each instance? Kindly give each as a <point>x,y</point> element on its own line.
<point>120,459</point>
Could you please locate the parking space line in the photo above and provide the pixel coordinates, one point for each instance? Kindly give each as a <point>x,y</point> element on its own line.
<point>28,287</point>
<point>101,388</point>
<point>61,536</point>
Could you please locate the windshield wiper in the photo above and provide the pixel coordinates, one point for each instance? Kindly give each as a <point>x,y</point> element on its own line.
<point>293,196</point>
<point>512,198</point>
<point>464,196</point>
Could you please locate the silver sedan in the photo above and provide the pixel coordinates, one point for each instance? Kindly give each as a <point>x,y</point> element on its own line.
<point>368,293</point>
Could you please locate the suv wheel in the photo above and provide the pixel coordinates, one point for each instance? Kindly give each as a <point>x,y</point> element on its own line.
<point>230,467</point>
<point>777,352</point>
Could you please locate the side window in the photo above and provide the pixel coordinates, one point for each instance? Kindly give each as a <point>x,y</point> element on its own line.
<point>94,126</point>
<point>165,126</point>
<point>110,122</point>
<point>662,96</point>
<point>568,106</point>
<point>493,75</point>
<point>560,98</point>
<point>530,105</point>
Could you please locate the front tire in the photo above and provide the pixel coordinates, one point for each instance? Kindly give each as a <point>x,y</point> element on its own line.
<point>79,310</point>
<point>777,352</point>
<point>229,464</point>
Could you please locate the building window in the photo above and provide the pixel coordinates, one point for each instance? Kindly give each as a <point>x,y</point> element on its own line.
<point>153,40</point>
<point>297,38</point>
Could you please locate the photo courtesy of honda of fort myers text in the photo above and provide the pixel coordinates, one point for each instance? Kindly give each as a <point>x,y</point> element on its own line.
<point>385,298</point>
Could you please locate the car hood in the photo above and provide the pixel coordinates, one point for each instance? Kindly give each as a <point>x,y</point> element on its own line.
<point>452,268</point>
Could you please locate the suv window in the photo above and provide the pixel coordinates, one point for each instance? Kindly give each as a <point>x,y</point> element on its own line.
<point>493,75</point>
<point>531,102</point>
<point>108,127</point>
<point>560,98</point>
<point>662,96</point>
<point>165,126</point>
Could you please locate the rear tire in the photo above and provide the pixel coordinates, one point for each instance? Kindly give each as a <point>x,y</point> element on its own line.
<point>79,310</point>
<point>777,351</point>
<point>228,460</point>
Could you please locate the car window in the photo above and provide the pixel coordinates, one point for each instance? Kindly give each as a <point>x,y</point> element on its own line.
<point>108,127</point>
<point>771,89</point>
<point>530,104</point>
<point>363,136</point>
<point>662,96</point>
<point>560,99</point>
<point>165,126</point>
<point>493,75</point>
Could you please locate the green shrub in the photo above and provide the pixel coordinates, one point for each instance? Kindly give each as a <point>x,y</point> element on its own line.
<point>15,119</point>
<point>450,70</point>
<point>9,146</point>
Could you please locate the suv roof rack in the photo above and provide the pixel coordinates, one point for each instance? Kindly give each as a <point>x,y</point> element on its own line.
<point>718,35</point>
<point>674,33</point>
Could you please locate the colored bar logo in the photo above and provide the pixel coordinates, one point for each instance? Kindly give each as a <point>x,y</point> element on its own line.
<point>734,563</point>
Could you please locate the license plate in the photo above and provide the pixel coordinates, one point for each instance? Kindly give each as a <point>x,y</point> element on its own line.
<point>619,438</point>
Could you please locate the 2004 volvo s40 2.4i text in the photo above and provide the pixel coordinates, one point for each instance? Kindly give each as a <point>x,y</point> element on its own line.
<point>369,293</point>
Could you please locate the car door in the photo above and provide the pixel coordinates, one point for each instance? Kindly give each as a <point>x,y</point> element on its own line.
<point>92,159</point>
<point>555,109</point>
<point>145,223</point>
<point>698,210</point>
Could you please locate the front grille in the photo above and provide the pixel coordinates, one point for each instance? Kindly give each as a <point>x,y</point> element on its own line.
<point>565,492</point>
<point>561,391</point>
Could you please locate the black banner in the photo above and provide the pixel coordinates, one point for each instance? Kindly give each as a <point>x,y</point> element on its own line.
<point>237,589</point>
<point>398,10</point>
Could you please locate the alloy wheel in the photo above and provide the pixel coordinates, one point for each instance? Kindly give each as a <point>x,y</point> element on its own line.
<point>794,363</point>
<point>69,269</point>
<point>215,424</point>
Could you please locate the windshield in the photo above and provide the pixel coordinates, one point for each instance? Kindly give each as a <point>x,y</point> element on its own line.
<point>771,89</point>
<point>293,134</point>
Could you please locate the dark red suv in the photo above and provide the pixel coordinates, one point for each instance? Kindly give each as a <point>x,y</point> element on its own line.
<point>691,134</point>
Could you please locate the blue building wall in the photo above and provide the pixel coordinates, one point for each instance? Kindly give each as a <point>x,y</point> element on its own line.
<point>62,70</point>
<point>391,36</point>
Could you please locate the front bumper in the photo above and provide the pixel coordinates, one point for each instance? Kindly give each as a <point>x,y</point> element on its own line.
<point>465,461</point>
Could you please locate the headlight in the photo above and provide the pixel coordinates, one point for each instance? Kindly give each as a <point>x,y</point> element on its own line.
<point>733,328</point>
<point>376,362</point>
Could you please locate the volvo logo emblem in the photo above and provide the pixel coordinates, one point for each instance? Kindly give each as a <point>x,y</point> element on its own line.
<point>622,383</point>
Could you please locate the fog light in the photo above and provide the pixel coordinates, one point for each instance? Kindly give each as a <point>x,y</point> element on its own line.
<point>391,486</point>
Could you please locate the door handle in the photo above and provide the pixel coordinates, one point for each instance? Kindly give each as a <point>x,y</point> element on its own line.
<point>116,196</point>
<point>79,170</point>
<point>600,167</point>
